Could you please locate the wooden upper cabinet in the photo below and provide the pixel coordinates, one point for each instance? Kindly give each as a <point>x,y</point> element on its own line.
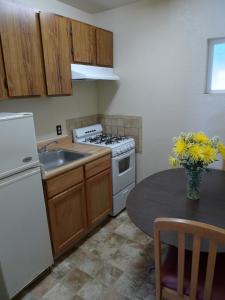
<point>3,89</point>
<point>104,44</point>
<point>55,32</point>
<point>21,47</point>
<point>84,44</point>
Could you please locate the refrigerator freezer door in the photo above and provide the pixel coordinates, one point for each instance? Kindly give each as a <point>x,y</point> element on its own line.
<point>18,150</point>
<point>25,249</point>
<point>3,292</point>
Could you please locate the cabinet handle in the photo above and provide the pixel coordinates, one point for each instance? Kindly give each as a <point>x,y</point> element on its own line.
<point>69,31</point>
<point>6,84</point>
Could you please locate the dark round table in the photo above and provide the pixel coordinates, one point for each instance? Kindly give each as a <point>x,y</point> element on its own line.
<point>164,195</point>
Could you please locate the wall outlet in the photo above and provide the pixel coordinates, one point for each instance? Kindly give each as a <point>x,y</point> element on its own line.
<point>59,129</point>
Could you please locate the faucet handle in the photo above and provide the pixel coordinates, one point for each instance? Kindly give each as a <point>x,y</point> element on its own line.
<point>53,142</point>
<point>45,147</point>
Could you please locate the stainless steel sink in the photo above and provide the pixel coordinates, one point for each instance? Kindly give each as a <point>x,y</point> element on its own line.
<point>56,158</point>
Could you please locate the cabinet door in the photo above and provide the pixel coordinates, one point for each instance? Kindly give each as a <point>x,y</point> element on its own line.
<point>99,197</point>
<point>68,221</point>
<point>84,45</point>
<point>55,31</point>
<point>21,47</point>
<point>104,44</point>
<point>3,89</point>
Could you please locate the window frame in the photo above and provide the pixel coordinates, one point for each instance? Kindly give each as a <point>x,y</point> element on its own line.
<point>211,43</point>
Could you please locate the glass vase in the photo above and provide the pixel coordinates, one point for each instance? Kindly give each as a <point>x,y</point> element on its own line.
<point>193,184</point>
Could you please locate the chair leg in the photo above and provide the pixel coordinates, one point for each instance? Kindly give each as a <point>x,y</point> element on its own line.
<point>158,292</point>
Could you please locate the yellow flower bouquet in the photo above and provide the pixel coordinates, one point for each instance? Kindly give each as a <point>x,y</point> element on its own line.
<point>195,151</point>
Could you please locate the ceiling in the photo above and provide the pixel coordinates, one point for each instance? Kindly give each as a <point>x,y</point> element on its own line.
<point>94,6</point>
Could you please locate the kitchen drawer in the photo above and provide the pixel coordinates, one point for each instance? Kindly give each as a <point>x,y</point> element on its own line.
<point>98,166</point>
<point>62,182</point>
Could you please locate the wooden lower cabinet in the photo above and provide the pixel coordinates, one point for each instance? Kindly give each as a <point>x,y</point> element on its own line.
<point>3,88</point>
<point>99,197</point>
<point>76,204</point>
<point>67,216</point>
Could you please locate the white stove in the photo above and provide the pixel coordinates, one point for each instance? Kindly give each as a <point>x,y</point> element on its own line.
<point>123,160</point>
<point>93,135</point>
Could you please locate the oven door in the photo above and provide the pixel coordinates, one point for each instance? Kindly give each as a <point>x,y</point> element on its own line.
<point>123,171</point>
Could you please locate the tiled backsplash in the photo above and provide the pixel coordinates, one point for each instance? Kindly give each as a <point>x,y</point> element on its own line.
<point>115,124</point>
<point>81,122</point>
<point>124,125</point>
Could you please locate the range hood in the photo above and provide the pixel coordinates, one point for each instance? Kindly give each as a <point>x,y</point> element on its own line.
<point>82,72</point>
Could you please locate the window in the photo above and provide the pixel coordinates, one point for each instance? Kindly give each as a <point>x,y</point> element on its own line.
<point>216,66</point>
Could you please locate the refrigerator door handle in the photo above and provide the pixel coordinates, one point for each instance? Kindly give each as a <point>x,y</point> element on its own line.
<point>27,159</point>
<point>20,176</point>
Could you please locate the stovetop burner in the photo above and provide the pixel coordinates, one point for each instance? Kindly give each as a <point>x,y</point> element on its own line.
<point>107,139</point>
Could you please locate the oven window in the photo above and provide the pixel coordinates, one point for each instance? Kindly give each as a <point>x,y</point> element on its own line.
<point>124,164</point>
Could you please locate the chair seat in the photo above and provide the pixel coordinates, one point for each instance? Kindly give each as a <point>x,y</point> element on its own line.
<point>169,273</point>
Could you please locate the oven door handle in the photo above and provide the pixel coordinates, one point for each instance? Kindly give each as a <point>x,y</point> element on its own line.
<point>124,155</point>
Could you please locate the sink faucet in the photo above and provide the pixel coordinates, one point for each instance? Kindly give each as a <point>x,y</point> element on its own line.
<point>45,147</point>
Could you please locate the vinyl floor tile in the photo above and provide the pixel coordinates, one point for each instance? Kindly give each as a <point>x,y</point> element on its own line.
<point>92,290</point>
<point>111,264</point>
<point>59,292</point>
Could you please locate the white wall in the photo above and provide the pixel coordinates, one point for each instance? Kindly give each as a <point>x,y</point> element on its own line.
<point>160,50</point>
<point>50,111</point>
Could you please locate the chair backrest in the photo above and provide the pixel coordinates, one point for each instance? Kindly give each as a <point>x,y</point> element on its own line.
<point>215,236</point>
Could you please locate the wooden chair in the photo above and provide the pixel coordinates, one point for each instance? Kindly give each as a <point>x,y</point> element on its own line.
<point>209,262</point>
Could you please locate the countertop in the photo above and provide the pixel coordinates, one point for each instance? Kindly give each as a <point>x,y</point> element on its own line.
<point>66,143</point>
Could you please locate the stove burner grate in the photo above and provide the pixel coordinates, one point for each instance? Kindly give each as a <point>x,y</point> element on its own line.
<point>107,139</point>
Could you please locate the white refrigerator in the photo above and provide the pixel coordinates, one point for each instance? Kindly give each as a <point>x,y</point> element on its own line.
<point>25,247</point>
